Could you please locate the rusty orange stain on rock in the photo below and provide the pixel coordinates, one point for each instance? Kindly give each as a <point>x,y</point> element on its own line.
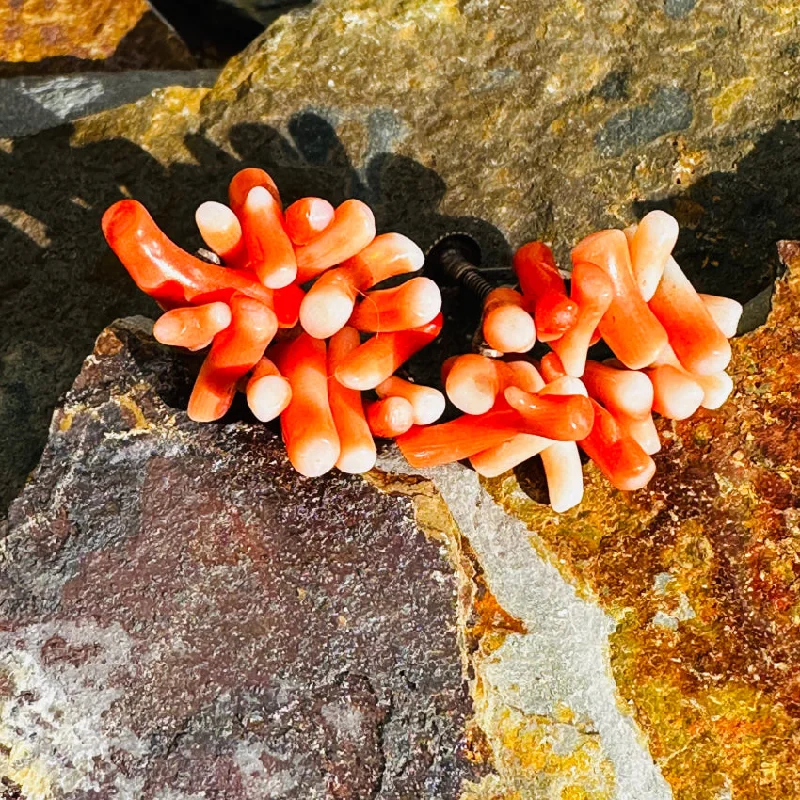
<point>701,570</point>
<point>86,31</point>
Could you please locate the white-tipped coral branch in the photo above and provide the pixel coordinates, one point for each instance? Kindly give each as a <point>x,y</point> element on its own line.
<point>309,432</point>
<point>329,303</point>
<point>507,326</point>
<point>268,392</point>
<point>427,404</point>
<point>307,218</point>
<point>382,355</point>
<point>193,327</point>
<point>629,327</point>
<point>671,343</point>
<point>651,245</point>
<point>352,229</point>
<point>410,305</point>
<point>593,293</point>
<point>235,351</point>
<point>222,232</point>
<point>270,253</point>
<point>358,452</point>
<point>699,344</point>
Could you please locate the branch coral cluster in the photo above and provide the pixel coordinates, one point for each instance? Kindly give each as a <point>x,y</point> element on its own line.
<point>297,355</point>
<point>671,347</point>
<point>301,356</point>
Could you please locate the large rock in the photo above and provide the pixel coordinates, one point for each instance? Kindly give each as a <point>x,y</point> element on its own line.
<point>57,36</point>
<point>510,121</point>
<point>33,104</point>
<point>182,615</point>
<point>700,573</point>
<point>537,118</point>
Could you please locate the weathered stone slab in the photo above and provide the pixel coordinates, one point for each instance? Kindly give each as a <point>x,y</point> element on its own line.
<point>182,615</point>
<point>699,573</point>
<point>39,37</point>
<point>442,114</point>
<point>546,708</point>
<point>32,104</point>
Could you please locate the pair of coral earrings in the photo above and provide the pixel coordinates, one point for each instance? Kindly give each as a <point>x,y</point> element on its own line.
<point>286,301</point>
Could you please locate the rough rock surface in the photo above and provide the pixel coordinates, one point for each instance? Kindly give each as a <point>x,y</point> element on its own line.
<point>33,104</point>
<point>512,121</point>
<point>700,573</point>
<point>265,11</point>
<point>547,715</point>
<point>182,615</point>
<point>40,37</point>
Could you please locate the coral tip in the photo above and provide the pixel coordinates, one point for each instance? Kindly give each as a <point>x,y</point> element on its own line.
<point>352,229</point>
<point>235,351</point>
<point>381,356</point>
<point>629,326</point>
<point>427,404</point>
<point>269,251</point>
<point>357,447</point>
<point>309,431</point>
<point>410,305</point>
<point>390,417</point>
<point>307,218</point>
<point>507,326</point>
<point>268,392</point>
<point>194,327</point>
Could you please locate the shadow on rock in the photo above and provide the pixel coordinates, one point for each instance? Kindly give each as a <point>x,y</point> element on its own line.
<point>730,221</point>
<point>60,285</point>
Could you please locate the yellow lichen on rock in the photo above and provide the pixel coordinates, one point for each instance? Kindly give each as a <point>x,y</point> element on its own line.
<point>723,105</point>
<point>700,572</point>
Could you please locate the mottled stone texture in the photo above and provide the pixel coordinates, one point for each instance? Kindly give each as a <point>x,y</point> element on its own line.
<point>701,572</point>
<point>509,120</point>
<point>33,104</point>
<point>181,613</point>
<point>40,37</point>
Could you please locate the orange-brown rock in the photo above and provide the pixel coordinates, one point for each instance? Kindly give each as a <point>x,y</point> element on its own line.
<point>701,572</point>
<point>53,36</point>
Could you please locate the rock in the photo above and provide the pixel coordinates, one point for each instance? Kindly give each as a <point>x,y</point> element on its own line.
<point>491,118</point>
<point>182,614</point>
<point>666,110</point>
<point>511,122</point>
<point>57,36</point>
<point>214,30</point>
<point>678,9</point>
<point>56,293</point>
<point>546,709</point>
<point>699,573</point>
<point>30,105</point>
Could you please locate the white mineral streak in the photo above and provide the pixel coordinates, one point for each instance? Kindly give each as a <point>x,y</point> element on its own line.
<point>55,727</point>
<point>563,659</point>
<point>255,778</point>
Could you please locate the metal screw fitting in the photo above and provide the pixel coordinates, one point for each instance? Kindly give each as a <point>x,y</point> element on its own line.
<point>209,256</point>
<point>456,257</point>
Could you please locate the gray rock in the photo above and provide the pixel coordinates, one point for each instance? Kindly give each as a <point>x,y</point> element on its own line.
<point>756,311</point>
<point>182,615</point>
<point>266,11</point>
<point>667,110</point>
<point>678,9</point>
<point>32,104</point>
